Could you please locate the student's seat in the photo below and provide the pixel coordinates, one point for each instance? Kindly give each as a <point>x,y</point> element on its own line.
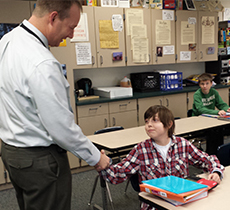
<point>223,154</point>
<point>106,187</point>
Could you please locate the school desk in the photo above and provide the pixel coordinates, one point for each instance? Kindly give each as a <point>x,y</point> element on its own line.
<point>118,141</point>
<point>218,198</point>
<point>127,138</point>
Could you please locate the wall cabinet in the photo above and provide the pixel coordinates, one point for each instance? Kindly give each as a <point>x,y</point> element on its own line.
<point>177,103</point>
<point>89,11</point>
<point>105,55</point>
<point>163,37</point>
<point>196,36</point>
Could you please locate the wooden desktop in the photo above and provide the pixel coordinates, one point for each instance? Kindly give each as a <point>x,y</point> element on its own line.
<point>218,198</point>
<point>127,138</point>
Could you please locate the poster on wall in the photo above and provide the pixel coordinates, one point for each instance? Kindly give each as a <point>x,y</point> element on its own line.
<point>81,33</point>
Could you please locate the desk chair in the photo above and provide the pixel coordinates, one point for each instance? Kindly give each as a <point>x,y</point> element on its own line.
<point>104,184</point>
<point>134,180</point>
<point>223,154</point>
<point>191,137</point>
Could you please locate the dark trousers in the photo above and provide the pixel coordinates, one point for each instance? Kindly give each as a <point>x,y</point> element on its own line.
<point>40,175</point>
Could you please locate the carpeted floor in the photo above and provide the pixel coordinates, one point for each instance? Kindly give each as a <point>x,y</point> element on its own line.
<point>81,191</point>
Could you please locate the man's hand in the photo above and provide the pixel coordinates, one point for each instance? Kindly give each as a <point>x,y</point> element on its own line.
<point>214,177</point>
<point>103,163</point>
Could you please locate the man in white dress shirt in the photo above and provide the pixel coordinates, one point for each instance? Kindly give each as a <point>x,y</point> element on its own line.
<point>36,121</point>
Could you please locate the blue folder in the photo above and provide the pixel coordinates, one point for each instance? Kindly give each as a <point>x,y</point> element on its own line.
<point>174,184</point>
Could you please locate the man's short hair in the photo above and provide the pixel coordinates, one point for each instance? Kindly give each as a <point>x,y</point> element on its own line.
<point>205,77</point>
<point>165,116</point>
<point>61,6</point>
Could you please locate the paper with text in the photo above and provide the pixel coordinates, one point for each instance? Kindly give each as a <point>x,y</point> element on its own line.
<point>108,37</point>
<point>163,32</point>
<point>83,53</point>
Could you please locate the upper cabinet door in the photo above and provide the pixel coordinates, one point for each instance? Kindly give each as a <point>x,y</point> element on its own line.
<point>186,36</point>
<point>138,36</point>
<point>14,11</point>
<point>110,43</point>
<point>163,36</point>
<point>208,36</point>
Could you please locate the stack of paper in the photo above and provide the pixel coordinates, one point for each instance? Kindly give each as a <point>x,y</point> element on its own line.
<point>175,190</point>
<point>113,92</point>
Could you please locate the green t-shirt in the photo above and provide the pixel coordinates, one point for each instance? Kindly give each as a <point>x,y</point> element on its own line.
<point>206,103</point>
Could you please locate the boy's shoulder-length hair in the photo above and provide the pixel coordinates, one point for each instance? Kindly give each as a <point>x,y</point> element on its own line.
<point>165,116</point>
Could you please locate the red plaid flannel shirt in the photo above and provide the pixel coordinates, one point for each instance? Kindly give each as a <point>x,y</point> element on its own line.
<point>147,161</point>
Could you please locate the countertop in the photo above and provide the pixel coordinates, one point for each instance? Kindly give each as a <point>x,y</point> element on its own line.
<point>137,95</point>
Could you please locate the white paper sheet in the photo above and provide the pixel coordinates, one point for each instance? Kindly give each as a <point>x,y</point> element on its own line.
<point>81,31</point>
<point>83,53</point>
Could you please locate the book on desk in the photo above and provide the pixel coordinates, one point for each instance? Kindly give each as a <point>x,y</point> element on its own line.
<point>226,117</point>
<point>175,190</point>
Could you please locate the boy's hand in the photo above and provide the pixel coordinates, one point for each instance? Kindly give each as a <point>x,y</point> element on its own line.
<point>228,109</point>
<point>222,113</point>
<point>214,177</point>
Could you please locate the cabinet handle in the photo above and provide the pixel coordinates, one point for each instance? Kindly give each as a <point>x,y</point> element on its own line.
<point>101,59</point>
<point>149,58</point>
<point>195,55</point>
<point>114,121</point>
<point>156,58</point>
<point>106,124</point>
<point>201,55</point>
<point>167,102</point>
<point>160,102</point>
<point>123,105</point>
<point>93,60</point>
<point>93,109</point>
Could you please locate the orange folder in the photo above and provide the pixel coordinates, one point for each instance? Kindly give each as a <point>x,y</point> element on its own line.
<point>182,197</point>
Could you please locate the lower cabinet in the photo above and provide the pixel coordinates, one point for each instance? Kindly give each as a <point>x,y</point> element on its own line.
<point>224,94</point>
<point>123,113</point>
<point>177,103</point>
<point>190,99</point>
<point>97,116</point>
<point>2,172</point>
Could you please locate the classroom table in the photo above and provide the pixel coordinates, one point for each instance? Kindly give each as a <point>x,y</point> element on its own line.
<point>127,138</point>
<point>122,141</point>
<point>218,198</point>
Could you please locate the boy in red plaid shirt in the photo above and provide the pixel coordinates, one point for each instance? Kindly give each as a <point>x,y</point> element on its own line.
<point>163,154</point>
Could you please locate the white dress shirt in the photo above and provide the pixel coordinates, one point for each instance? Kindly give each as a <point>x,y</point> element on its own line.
<point>34,97</point>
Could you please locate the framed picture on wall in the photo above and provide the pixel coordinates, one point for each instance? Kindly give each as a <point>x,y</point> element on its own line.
<point>190,4</point>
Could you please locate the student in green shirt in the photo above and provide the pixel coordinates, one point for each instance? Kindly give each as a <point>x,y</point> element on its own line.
<point>207,98</point>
